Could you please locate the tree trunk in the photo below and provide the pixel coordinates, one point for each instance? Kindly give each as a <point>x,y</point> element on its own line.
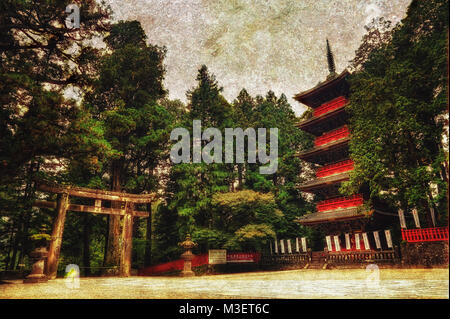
<point>12,263</point>
<point>86,244</point>
<point>240,175</point>
<point>136,222</point>
<point>25,241</point>
<point>18,240</point>
<point>428,213</point>
<point>106,240</point>
<point>57,235</point>
<point>113,248</point>
<point>10,247</point>
<point>127,241</point>
<point>148,237</point>
<point>28,199</point>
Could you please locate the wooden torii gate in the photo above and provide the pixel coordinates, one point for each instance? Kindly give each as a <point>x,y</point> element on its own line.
<point>63,205</point>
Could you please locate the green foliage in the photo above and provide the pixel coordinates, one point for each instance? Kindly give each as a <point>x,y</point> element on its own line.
<point>209,238</point>
<point>126,33</point>
<point>254,237</point>
<point>40,240</point>
<point>35,118</point>
<point>41,130</point>
<point>398,108</point>
<point>233,205</point>
<point>236,209</point>
<point>125,100</point>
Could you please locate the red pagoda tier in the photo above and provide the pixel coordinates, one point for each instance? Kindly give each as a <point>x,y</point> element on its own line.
<point>349,222</point>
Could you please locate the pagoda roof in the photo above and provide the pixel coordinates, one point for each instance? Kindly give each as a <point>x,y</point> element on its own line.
<point>324,91</point>
<point>324,181</point>
<point>331,216</point>
<point>323,148</point>
<point>310,125</point>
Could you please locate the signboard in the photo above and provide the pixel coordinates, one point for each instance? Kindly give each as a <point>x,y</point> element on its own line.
<point>377,239</point>
<point>357,242</point>
<point>217,256</point>
<point>348,245</point>
<point>401,216</point>
<point>328,238</point>
<point>289,247</point>
<point>304,244</point>
<point>336,243</point>
<point>297,246</point>
<point>366,241</point>
<point>387,233</point>
<point>416,217</point>
<point>242,257</point>
<point>276,246</point>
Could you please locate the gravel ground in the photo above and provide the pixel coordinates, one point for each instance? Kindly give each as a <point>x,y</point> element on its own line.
<point>292,284</point>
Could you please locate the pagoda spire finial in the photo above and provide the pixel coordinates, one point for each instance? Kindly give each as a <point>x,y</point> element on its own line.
<point>331,65</point>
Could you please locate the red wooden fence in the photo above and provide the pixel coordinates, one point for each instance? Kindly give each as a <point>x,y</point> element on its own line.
<point>425,234</point>
<point>331,136</point>
<point>331,105</point>
<point>173,266</point>
<point>198,260</point>
<point>341,202</point>
<point>335,168</point>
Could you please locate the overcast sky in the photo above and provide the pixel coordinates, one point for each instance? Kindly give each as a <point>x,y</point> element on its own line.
<point>259,45</point>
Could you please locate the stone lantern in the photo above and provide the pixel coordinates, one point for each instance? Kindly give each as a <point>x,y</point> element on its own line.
<point>187,256</point>
<point>38,257</point>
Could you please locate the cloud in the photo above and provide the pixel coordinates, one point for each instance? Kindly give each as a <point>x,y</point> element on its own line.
<point>256,44</point>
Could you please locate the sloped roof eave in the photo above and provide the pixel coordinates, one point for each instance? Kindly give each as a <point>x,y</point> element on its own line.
<point>300,97</point>
<point>336,215</point>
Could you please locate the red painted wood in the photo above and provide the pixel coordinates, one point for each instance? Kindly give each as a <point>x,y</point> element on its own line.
<point>336,168</point>
<point>341,202</point>
<point>198,260</point>
<point>425,234</point>
<point>331,105</point>
<point>331,136</point>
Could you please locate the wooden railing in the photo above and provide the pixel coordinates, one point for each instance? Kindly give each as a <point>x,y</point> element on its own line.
<point>340,257</point>
<point>425,234</point>
<point>335,168</point>
<point>331,105</point>
<point>285,259</point>
<point>341,202</point>
<point>349,257</point>
<point>331,136</point>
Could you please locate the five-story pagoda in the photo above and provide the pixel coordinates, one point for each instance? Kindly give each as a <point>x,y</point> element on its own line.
<point>350,224</point>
